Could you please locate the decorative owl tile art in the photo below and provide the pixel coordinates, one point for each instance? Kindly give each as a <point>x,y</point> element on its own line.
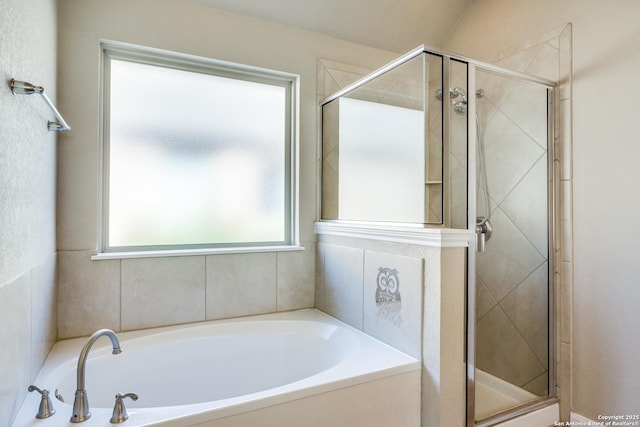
<point>388,299</point>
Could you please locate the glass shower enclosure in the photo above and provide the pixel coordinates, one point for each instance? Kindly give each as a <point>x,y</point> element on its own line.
<point>439,140</point>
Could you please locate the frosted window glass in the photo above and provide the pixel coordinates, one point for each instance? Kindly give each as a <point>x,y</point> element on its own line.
<point>194,158</point>
<point>381,162</point>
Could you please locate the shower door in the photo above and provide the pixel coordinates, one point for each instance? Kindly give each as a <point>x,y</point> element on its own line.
<point>510,132</point>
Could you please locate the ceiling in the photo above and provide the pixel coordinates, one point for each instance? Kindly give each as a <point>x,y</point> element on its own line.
<point>394,25</point>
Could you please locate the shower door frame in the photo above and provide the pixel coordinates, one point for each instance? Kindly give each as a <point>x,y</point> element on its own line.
<point>552,164</point>
<point>552,191</point>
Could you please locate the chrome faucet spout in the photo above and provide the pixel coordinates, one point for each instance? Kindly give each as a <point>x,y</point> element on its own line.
<point>81,404</point>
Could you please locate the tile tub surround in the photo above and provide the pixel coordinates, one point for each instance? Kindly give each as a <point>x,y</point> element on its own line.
<point>150,292</point>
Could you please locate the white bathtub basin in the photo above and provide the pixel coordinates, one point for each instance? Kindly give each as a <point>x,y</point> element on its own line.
<point>195,373</point>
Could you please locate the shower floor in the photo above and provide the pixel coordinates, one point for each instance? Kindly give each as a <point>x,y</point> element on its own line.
<point>495,395</point>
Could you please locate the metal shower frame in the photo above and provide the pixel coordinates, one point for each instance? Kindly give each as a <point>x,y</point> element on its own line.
<point>551,87</point>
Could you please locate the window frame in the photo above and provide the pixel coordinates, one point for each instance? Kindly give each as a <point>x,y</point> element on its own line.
<point>111,50</point>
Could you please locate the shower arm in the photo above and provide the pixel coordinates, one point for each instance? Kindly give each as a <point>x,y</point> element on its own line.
<point>24,88</point>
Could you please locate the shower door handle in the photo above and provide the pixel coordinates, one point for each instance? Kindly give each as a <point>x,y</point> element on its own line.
<point>480,239</point>
<point>483,233</point>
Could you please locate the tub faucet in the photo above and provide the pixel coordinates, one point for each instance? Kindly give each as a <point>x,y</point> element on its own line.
<point>81,403</point>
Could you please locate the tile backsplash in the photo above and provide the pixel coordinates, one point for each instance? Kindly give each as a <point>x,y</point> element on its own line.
<point>139,293</point>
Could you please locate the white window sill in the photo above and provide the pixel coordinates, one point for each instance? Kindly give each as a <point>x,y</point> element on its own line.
<point>194,252</point>
<point>423,236</point>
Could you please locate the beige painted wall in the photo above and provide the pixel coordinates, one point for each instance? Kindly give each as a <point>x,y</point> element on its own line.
<point>27,199</point>
<point>146,293</point>
<point>606,55</point>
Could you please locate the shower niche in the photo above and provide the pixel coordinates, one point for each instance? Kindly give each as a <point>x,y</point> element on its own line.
<point>434,140</point>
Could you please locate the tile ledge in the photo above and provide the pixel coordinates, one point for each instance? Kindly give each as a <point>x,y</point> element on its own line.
<point>433,237</point>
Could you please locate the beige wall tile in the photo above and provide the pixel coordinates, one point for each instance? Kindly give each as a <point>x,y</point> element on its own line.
<point>343,273</point>
<point>527,308</point>
<point>484,300</point>
<point>501,350</point>
<point>44,312</point>
<point>565,380</point>
<point>15,318</point>
<point>526,206</point>
<point>319,277</point>
<point>566,63</point>
<point>565,301</point>
<point>509,153</point>
<point>566,222</point>
<point>508,259</point>
<point>296,279</point>
<point>545,64</point>
<point>88,294</point>
<point>162,291</point>
<point>392,300</point>
<point>240,284</point>
<point>566,145</point>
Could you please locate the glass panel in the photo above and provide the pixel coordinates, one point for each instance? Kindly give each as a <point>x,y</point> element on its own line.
<point>512,275</point>
<point>377,154</point>
<point>458,99</point>
<point>194,158</point>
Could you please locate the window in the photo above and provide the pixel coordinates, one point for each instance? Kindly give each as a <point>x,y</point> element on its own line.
<point>197,153</point>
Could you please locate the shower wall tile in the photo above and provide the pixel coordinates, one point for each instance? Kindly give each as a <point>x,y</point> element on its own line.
<point>88,294</point>
<point>564,380</point>
<point>545,63</point>
<point>240,284</point>
<point>296,279</point>
<point>44,312</point>
<point>539,385</point>
<point>566,65</point>
<point>509,153</point>
<point>565,132</point>
<point>566,225</point>
<point>330,160</point>
<point>504,353</point>
<point>392,300</point>
<point>565,301</point>
<point>484,300</point>
<point>509,257</point>
<point>526,206</point>
<point>458,186</point>
<point>343,283</point>
<point>496,89</point>
<point>520,60</point>
<point>162,291</point>
<point>526,308</point>
<point>529,116</point>
<point>319,277</point>
<point>15,318</point>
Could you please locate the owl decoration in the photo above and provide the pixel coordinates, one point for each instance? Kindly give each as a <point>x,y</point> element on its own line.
<point>388,298</point>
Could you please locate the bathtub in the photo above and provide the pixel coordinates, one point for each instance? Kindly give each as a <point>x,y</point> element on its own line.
<point>284,369</point>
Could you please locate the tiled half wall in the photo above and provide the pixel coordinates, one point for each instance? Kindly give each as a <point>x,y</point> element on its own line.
<point>410,296</point>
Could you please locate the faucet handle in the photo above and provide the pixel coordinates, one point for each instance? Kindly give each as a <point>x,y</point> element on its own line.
<point>119,410</point>
<point>46,407</point>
